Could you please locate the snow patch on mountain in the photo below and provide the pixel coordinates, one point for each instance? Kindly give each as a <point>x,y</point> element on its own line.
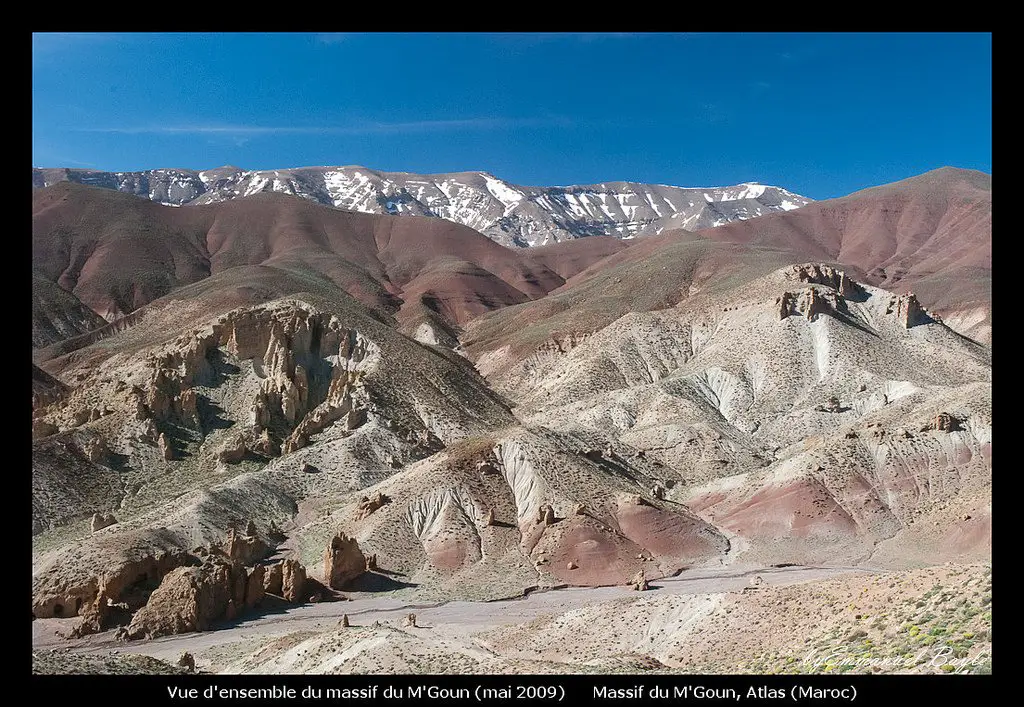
<point>509,214</point>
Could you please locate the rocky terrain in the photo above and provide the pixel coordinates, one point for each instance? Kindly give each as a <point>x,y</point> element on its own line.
<point>509,214</point>
<point>278,408</point>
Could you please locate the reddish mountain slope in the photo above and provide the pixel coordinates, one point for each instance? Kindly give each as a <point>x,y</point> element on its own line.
<point>931,234</point>
<point>117,252</point>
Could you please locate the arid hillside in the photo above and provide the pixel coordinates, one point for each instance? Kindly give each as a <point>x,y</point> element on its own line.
<point>247,408</point>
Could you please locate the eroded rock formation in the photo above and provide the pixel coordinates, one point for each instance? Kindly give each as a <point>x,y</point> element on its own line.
<point>191,599</point>
<point>943,422</point>
<point>247,548</point>
<point>908,310</point>
<point>101,520</point>
<point>809,303</point>
<point>166,450</point>
<point>817,274</point>
<point>233,451</point>
<point>95,449</point>
<point>369,504</point>
<point>343,561</point>
<point>638,582</point>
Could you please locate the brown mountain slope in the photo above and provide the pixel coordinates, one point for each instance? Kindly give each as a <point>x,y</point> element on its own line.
<point>57,314</point>
<point>654,273</point>
<point>931,234</point>
<point>117,252</point>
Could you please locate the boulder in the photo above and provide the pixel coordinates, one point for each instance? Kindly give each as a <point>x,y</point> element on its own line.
<point>186,661</point>
<point>232,452</point>
<point>546,514</point>
<point>101,521</point>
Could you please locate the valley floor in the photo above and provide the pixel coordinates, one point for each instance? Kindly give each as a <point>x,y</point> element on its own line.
<point>797,619</point>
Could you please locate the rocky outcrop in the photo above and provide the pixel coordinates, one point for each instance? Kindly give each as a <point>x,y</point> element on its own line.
<point>101,520</point>
<point>95,449</point>
<point>943,422</point>
<point>164,445</point>
<point>638,582</point>
<point>809,303</point>
<point>246,548</point>
<point>254,586</point>
<point>908,310</point>
<point>817,274</point>
<point>310,364</point>
<point>369,504</point>
<point>831,405</point>
<point>343,561</point>
<point>265,445</point>
<point>293,581</point>
<point>232,452</point>
<point>191,599</point>
<point>127,583</point>
<point>486,468</point>
<point>286,579</point>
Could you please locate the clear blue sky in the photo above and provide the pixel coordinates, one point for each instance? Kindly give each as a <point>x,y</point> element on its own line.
<point>822,115</point>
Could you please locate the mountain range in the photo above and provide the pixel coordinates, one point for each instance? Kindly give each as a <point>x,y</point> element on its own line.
<point>268,406</point>
<point>507,213</point>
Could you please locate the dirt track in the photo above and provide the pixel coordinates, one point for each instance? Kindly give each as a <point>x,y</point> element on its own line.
<point>457,618</point>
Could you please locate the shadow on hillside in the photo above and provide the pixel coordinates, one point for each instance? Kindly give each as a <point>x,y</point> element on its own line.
<point>377,581</point>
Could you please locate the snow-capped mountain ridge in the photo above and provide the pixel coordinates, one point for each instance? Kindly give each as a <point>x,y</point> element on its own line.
<point>508,213</point>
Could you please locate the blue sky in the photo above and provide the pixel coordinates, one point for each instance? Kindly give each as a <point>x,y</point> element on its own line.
<point>820,114</point>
